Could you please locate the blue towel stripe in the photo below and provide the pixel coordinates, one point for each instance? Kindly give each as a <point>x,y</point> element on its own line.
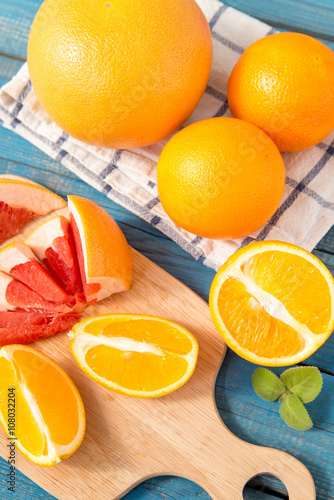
<point>217,16</point>
<point>294,194</point>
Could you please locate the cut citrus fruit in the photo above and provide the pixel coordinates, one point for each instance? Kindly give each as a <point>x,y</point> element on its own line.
<point>50,423</point>
<point>18,260</point>
<point>104,255</point>
<point>136,355</point>
<point>20,201</point>
<point>16,295</point>
<point>35,325</point>
<point>273,303</point>
<point>52,243</point>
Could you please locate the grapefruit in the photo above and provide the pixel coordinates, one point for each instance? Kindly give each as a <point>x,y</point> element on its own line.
<point>23,328</point>
<point>16,295</point>
<point>43,289</point>
<point>52,243</point>
<point>18,260</point>
<point>119,74</point>
<point>20,201</point>
<point>104,255</point>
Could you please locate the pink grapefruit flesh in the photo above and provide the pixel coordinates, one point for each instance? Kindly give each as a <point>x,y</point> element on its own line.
<point>36,327</point>
<point>19,261</point>
<point>12,219</point>
<point>20,201</point>
<point>52,243</point>
<point>16,295</point>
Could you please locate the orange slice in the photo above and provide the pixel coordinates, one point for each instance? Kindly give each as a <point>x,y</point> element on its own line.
<point>47,411</point>
<point>273,303</point>
<point>104,255</point>
<point>21,200</point>
<point>135,355</point>
<point>52,243</point>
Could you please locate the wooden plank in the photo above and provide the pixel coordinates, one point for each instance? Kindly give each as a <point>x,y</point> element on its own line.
<point>304,15</point>
<point>8,68</point>
<point>308,16</point>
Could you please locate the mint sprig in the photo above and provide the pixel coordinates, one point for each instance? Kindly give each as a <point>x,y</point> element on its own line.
<point>296,386</point>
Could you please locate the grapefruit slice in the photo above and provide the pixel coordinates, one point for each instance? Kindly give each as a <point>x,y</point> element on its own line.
<point>16,318</point>
<point>52,243</point>
<point>21,200</point>
<point>12,219</point>
<point>104,255</point>
<point>23,328</point>
<point>18,260</point>
<point>50,420</point>
<point>17,295</point>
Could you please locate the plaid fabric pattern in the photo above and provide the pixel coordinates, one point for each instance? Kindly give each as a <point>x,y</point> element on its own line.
<point>128,177</point>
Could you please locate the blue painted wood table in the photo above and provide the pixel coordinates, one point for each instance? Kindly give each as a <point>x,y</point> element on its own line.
<point>242,411</point>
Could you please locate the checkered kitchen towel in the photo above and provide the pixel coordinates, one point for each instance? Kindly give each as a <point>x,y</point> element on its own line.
<point>129,176</point>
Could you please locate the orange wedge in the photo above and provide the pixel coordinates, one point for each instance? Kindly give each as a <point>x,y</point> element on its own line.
<point>103,253</point>
<point>20,201</point>
<point>273,303</point>
<point>134,355</point>
<point>47,418</point>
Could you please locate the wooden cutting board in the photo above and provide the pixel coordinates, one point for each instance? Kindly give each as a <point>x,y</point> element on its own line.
<point>129,440</point>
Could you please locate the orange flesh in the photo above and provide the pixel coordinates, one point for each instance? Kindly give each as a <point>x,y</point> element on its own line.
<point>252,327</point>
<point>139,371</point>
<point>53,395</point>
<point>295,282</point>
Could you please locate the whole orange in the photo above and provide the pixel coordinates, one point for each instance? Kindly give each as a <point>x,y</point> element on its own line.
<point>220,178</point>
<point>119,74</point>
<point>284,84</point>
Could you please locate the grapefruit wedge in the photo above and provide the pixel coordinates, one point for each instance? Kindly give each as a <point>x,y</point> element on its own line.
<point>24,328</point>
<point>104,255</point>
<point>20,201</point>
<point>16,295</point>
<point>52,243</point>
<point>18,260</point>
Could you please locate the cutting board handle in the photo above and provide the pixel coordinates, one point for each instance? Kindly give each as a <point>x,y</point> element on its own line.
<point>224,466</point>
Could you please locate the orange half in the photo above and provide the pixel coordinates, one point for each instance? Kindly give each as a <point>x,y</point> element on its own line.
<point>134,355</point>
<point>273,303</point>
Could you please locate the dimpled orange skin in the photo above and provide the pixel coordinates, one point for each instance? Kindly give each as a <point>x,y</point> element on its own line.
<point>220,178</point>
<point>119,74</point>
<point>284,84</point>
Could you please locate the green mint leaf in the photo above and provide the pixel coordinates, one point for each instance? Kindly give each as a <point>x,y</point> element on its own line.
<point>267,385</point>
<point>304,381</point>
<point>294,413</point>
